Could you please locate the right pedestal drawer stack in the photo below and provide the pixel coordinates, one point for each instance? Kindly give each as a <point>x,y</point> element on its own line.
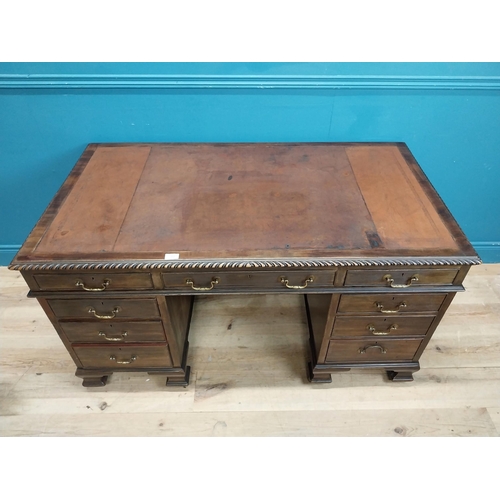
<point>383,317</point>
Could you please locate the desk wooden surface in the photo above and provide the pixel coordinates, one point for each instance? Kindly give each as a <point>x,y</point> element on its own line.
<point>251,201</point>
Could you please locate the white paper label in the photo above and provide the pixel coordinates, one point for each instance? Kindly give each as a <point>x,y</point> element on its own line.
<point>171,256</point>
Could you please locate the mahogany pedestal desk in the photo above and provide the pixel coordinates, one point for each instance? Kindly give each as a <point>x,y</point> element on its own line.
<point>138,230</point>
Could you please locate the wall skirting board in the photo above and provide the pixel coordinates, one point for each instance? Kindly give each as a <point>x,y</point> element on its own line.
<point>489,251</point>
<point>7,253</point>
<point>447,113</point>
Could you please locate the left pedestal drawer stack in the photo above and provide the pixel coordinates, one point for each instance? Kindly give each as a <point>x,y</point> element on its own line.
<point>116,322</point>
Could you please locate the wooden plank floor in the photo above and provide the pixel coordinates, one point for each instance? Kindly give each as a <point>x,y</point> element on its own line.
<point>248,357</point>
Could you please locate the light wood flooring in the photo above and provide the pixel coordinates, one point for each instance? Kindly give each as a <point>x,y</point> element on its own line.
<point>248,356</point>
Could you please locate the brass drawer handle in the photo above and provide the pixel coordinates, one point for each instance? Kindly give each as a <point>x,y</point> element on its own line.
<point>308,280</point>
<point>131,360</point>
<point>373,330</point>
<point>363,351</point>
<point>380,307</point>
<point>390,281</point>
<point>114,339</point>
<point>114,312</point>
<point>105,283</point>
<point>215,281</point>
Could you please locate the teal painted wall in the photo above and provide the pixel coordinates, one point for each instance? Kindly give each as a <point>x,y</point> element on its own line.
<point>448,114</point>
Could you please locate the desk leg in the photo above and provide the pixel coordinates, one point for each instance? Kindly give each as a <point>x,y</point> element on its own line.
<point>317,378</point>
<point>176,312</point>
<point>318,312</point>
<point>402,375</point>
<point>181,378</point>
<point>93,378</point>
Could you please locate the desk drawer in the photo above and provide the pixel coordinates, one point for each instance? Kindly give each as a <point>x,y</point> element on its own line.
<point>401,277</point>
<point>391,304</point>
<point>104,309</point>
<point>126,357</point>
<point>120,332</point>
<point>284,280</point>
<point>94,282</point>
<point>367,350</point>
<point>381,326</point>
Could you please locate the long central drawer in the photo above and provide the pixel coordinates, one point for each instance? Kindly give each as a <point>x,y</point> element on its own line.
<point>214,280</point>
